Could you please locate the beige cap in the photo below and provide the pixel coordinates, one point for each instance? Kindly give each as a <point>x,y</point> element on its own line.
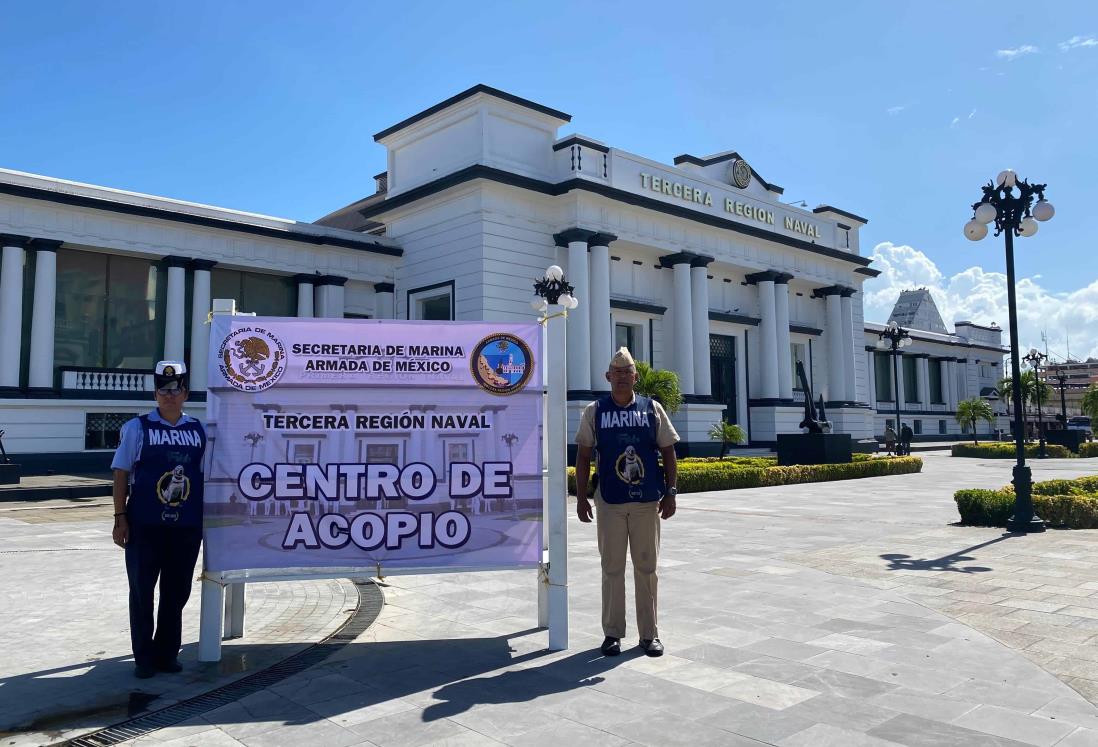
<point>622,358</point>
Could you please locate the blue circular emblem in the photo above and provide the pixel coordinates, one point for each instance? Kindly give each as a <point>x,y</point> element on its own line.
<point>501,364</point>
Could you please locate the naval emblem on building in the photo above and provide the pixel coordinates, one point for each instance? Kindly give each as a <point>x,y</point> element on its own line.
<point>740,173</point>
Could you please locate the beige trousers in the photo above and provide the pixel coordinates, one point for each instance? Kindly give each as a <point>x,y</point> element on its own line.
<point>635,526</point>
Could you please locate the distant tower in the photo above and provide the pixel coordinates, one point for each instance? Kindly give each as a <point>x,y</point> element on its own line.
<point>915,309</point>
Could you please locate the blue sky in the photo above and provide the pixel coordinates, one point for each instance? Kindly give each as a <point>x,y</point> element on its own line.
<point>897,111</point>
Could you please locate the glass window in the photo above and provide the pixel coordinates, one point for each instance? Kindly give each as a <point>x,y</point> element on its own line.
<point>911,379</point>
<point>266,295</point>
<point>625,336</point>
<point>109,311</point>
<point>798,353</point>
<point>941,426</point>
<point>935,369</point>
<point>882,370</point>
<point>918,427</point>
<point>433,304</point>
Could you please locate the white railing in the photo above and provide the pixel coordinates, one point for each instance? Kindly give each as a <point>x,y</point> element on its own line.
<point>106,379</point>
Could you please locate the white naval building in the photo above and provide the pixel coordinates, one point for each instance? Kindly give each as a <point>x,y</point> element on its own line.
<point>939,369</point>
<point>696,266</point>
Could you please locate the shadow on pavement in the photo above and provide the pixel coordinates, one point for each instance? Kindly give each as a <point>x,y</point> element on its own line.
<point>898,562</point>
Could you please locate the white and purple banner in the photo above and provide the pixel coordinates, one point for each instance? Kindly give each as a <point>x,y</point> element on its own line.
<point>373,444</point>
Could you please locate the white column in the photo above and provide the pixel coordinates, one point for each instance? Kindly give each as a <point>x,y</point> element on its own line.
<point>384,306</point>
<point>871,360</point>
<point>768,341</point>
<point>850,385</point>
<point>699,317</point>
<point>836,371</point>
<point>175,315</point>
<point>200,330</point>
<point>741,382</point>
<point>684,322</point>
<point>602,339</point>
<point>11,308</point>
<point>329,296</point>
<point>781,323</point>
<point>579,318</point>
<point>305,296</point>
<point>924,381</point>
<point>40,373</point>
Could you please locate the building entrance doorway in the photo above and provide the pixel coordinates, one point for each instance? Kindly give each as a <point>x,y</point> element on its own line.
<point>722,368</point>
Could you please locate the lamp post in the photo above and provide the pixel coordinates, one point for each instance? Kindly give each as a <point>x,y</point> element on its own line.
<point>553,290</point>
<point>1013,216</point>
<point>893,338</point>
<point>1034,358</point>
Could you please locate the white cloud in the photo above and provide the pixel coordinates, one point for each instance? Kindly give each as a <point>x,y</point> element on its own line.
<point>979,296</point>
<point>1077,42</point>
<point>972,114</point>
<point>955,122</point>
<point>894,110</point>
<point>1011,54</point>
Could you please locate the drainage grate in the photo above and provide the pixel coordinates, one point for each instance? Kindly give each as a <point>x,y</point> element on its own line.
<point>370,602</point>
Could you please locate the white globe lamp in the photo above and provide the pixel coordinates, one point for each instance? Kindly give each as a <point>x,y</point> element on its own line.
<point>1028,227</point>
<point>553,272</point>
<point>1006,178</point>
<point>975,230</point>
<point>986,212</point>
<point>1043,210</point>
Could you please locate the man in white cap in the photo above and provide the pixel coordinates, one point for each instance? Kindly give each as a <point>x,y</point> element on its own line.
<point>627,434</point>
<point>158,485</point>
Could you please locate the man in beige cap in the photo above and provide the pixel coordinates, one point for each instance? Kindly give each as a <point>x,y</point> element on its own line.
<point>627,434</point>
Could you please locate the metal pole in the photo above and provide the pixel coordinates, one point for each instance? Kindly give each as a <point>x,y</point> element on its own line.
<point>1063,399</point>
<point>896,387</point>
<point>1040,417</point>
<point>1024,519</point>
<point>557,498</point>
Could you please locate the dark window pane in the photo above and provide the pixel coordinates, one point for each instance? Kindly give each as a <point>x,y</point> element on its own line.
<point>882,363</point>
<point>435,309</point>
<point>134,329</point>
<point>81,308</point>
<point>269,295</point>
<point>911,379</point>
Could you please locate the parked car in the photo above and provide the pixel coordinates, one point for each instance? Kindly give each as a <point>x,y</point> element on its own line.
<point>1080,423</point>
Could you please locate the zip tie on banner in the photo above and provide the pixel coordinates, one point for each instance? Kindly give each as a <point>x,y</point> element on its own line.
<point>379,576</point>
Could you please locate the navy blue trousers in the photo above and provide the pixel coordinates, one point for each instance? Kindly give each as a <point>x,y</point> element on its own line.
<point>167,554</point>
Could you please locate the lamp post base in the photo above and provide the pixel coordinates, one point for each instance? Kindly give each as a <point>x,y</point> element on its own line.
<point>1025,519</point>
<point>1041,447</point>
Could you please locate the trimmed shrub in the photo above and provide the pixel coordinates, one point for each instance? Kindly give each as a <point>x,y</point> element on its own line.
<point>1088,449</point>
<point>695,476</point>
<point>1068,503</point>
<point>1006,451</point>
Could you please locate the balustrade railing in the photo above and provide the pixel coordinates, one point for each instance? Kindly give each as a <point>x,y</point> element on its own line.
<point>76,378</point>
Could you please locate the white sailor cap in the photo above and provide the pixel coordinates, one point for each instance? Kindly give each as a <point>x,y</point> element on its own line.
<point>169,371</point>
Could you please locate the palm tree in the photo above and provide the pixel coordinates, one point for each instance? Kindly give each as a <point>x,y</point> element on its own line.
<point>726,433</point>
<point>1090,403</point>
<point>971,410</point>
<point>662,386</point>
<point>1006,392</point>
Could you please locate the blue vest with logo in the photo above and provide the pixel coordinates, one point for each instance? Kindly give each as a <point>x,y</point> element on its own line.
<point>625,437</point>
<point>167,477</point>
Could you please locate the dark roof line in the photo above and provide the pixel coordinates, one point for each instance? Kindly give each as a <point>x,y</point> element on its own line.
<point>695,160</point>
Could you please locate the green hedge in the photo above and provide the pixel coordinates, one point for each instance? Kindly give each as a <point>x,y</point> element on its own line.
<point>1089,449</point>
<point>1068,503</point>
<point>697,475</point>
<point>998,450</point>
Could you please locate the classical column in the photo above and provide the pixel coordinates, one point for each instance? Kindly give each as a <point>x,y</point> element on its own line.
<point>850,381</point>
<point>175,318</point>
<point>11,308</point>
<point>329,296</point>
<point>781,321</point>
<point>579,319</point>
<point>870,356</point>
<point>922,364</point>
<point>385,296</point>
<point>899,393</point>
<point>769,371</point>
<point>602,336</point>
<point>305,295</point>
<point>200,330</point>
<point>40,373</point>
<point>683,329</point>
<point>836,341</point>
<point>699,322</point>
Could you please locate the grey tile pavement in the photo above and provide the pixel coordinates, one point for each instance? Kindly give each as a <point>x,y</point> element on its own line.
<point>786,622</point>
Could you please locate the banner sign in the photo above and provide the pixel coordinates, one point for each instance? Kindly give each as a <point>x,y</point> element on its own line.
<point>373,444</point>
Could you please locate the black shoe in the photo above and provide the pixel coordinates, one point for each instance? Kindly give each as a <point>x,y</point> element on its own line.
<point>170,667</point>
<point>143,671</point>
<point>611,646</point>
<point>652,647</point>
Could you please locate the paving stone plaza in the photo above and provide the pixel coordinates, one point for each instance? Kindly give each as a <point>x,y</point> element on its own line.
<point>845,613</point>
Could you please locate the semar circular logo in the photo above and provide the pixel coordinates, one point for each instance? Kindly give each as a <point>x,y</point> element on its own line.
<point>251,359</point>
<point>501,364</point>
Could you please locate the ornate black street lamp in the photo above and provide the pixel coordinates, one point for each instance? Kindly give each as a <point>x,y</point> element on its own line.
<point>893,338</point>
<point>1013,216</point>
<point>1035,358</point>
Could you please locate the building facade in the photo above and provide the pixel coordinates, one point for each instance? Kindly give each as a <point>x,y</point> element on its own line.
<point>697,266</point>
<point>934,373</point>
